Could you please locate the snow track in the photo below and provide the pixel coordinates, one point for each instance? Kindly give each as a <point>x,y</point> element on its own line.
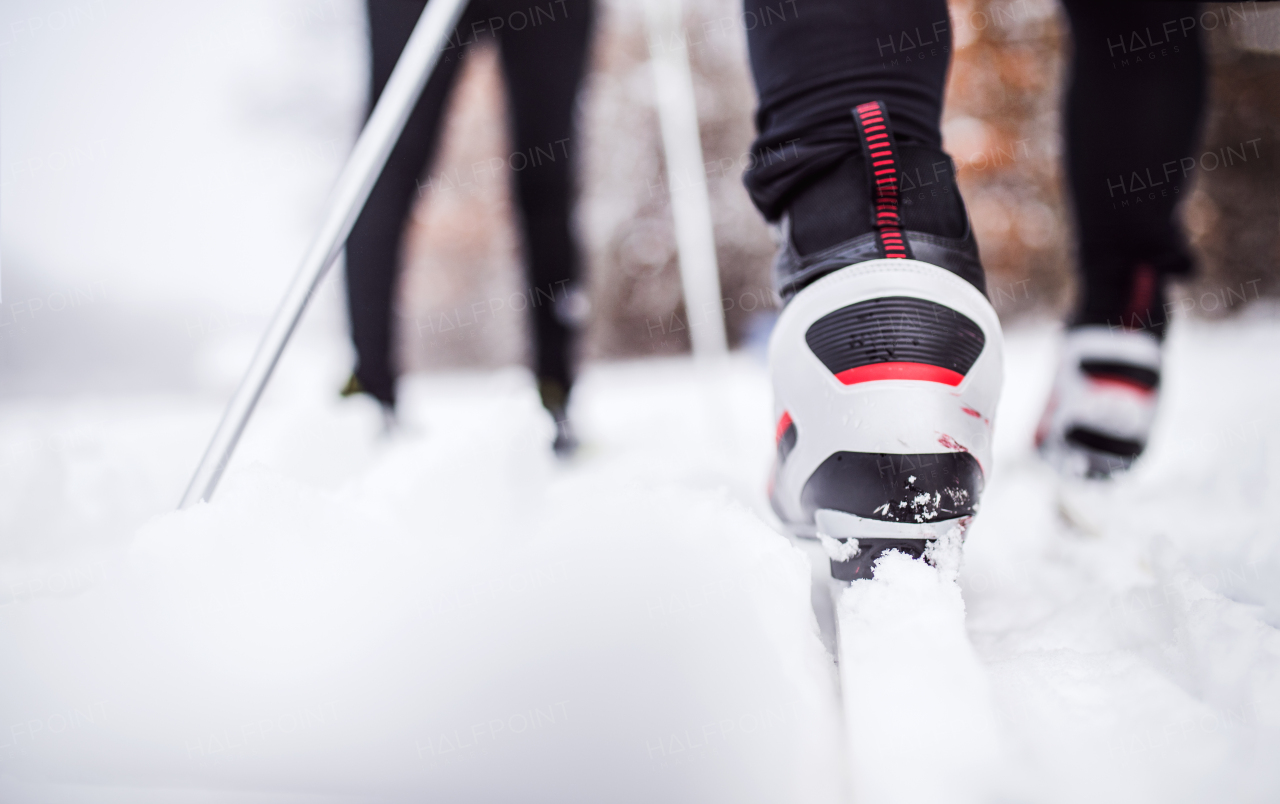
<point>918,709</point>
<point>449,615</point>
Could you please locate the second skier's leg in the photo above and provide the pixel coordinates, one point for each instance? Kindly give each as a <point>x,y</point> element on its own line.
<point>543,67</point>
<point>1132,119</point>
<point>887,359</point>
<point>373,248</point>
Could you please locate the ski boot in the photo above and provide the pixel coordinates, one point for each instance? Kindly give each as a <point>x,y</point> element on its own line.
<point>555,398</point>
<point>1103,401</point>
<point>886,363</point>
<point>386,401</point>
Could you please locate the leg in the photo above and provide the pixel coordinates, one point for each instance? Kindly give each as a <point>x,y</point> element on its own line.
<point>822,59</point>
<point>374,245</point>
<point>543,66</point>
<point>812,67</point>
<point>1134,104</point>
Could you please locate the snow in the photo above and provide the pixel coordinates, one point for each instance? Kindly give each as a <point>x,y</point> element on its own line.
<point>458,616</point>
<point>921,723</point>
<point>449,613</point>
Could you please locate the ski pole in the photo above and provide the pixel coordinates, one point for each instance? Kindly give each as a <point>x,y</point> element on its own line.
<point>348,198</point>
<point>686,176</point>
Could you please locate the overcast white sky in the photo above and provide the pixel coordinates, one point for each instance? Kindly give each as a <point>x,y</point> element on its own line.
<point>177,153</point>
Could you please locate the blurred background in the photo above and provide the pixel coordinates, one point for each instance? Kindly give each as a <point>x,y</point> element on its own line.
<point>164,165</point>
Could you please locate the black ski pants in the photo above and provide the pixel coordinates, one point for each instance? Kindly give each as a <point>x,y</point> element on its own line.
<point>1134,101</point>
<point>543,45</point>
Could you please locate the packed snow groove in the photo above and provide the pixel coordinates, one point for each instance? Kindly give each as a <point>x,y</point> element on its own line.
<point>913,686</point>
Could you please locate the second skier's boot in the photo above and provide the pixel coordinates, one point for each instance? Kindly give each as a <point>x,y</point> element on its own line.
<point>886,361</point>
<point>555,398</point>
<point>1103,401</point>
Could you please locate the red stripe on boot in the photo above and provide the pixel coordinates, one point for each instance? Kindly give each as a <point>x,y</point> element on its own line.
<point>783,424</point>
<point>923,372</point>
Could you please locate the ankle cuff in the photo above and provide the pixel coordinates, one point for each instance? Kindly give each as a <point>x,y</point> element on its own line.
<point>837,206</point>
